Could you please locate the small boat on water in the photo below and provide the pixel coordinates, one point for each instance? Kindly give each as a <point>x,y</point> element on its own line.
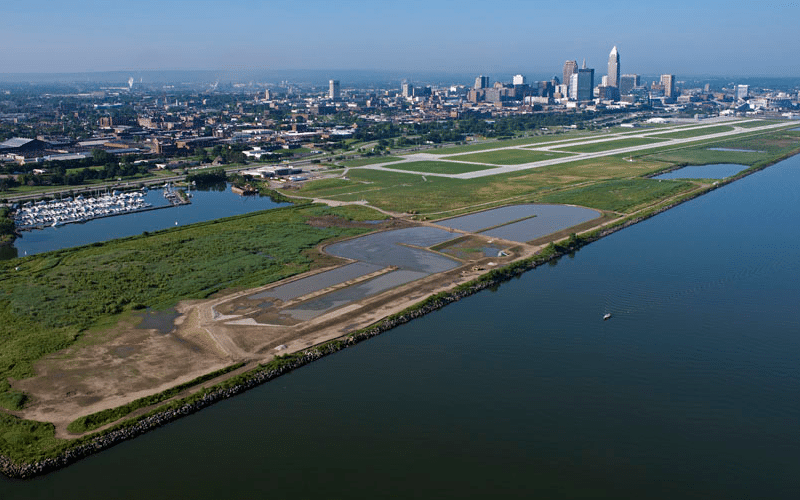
<point>606,316</point>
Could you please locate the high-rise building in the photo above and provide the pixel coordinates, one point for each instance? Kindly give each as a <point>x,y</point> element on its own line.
<point>482,82</point>
<point>408,90</point>
<point>607,93</point>
<point>333,90</point>
<point>613,68</point>
<point>569,68</point>
<point>519,80</point>
<point>742,92</point>
<point>581,85</point>
<point>627,83</point>
<point>668,81</point>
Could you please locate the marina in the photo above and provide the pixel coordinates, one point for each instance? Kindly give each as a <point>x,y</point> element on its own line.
<point>81,209</point>
<point>206,203</point>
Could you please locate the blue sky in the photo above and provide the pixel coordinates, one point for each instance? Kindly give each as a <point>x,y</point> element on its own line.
<point>675,36</point>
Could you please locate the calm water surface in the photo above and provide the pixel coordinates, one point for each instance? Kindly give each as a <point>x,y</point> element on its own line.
<point>207,204</point>
<point>691,390</point>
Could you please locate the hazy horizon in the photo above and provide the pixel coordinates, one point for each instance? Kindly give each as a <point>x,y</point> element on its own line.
<point>349,78</point>
<point>688,38</point>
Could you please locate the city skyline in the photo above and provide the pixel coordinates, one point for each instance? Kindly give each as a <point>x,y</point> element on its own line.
<point>143,35</point>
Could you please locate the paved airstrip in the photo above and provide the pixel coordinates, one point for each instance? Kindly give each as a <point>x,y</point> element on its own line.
<point>554,147</point>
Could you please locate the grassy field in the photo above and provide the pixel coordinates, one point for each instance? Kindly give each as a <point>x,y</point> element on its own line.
<point>609,145</point>
<point>403,192</point>
<point>767,145</point>
<point>757,123</point>
<point>620,195</point>
<point>369,161</point>
<point>438,167</point>
<point>685,134</point>
<point>507,157</point>
<point>509,142</point>
<point>47,300</point>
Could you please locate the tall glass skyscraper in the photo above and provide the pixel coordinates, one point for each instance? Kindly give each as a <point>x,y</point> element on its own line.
<point>668,81</point>
<point>613,68</point>
<point>333,90</point>
<point>570,67</point>
<point>581,85</point>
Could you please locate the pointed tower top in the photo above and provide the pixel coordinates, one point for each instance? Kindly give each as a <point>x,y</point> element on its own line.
<point>614,50</point>
<point>584,63</point>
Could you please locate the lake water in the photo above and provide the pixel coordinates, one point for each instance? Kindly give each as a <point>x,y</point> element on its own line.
<point>714,171</point>
<point>207,204</point>
<point>691,390</point>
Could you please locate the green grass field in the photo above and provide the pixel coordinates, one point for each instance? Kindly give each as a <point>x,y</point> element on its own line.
<point>620,195</point>
<point>609,145</point>
<point>508,157</point>
<point>468,148</point>
<point>685,134</point>
<point>767,144</point>
<point>438,167</point>
<point>757,123</point>
<point>369,161</point>
<point>402,192</point>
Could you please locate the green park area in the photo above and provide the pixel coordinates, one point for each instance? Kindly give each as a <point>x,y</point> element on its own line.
<point>507,156</point>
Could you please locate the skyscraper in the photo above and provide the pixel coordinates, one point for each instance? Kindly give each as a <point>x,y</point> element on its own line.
<point>333,90</point>
<point>408,90</point>
<point>482,82</point>
<point>627,83</point>
<point>519,80</point>
<point>742,92</point>
<point>569,68</point>
<point>668,81</point>
<point>613,68</point>
<point>581,84</point>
